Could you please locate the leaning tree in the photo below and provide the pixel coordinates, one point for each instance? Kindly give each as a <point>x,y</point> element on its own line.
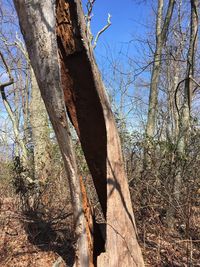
<point>59,47</point>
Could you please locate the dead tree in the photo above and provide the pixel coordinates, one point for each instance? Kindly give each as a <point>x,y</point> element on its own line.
<point>90,112</point>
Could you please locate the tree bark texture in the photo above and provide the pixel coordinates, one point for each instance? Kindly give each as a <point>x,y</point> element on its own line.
<point>90,113</point>
<point>40,133</point>
<point>37,21</point>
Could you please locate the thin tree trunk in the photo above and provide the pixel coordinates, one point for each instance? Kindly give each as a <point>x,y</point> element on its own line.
<point>184,120</point>
<point>161,36</point>
<point>184,115</point>
<point>90,112</point>
<point>37,20</point>
<point>25,108</point>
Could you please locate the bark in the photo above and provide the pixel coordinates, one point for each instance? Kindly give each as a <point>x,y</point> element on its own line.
<point>90,113</point>
<point>161,36</point>
<point>40,133</point>
<point>37,22</point>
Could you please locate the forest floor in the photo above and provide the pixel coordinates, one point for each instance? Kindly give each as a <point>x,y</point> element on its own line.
<point>45,239</point>
<point>35,240</point>
<point>164,248</point>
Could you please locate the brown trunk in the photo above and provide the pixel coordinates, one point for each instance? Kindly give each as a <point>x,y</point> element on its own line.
<point>90,112</point>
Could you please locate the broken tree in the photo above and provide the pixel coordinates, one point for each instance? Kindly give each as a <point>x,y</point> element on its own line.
<point>90,112</point>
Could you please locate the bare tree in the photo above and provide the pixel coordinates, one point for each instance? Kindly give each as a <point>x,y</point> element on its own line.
<point>185,110</point>
<point>184,118</point>
<point>162,26</point>
<point>11,113</point>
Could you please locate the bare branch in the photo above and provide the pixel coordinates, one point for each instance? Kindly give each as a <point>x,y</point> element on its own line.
<point>89,6</point>
<point>7,70</point>
<point>101,31</point>
<point>10,111</point>
<point>88,18</point>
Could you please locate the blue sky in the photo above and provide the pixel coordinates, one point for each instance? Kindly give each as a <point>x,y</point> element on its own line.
<point>129,22</point>
<point>128,18</point>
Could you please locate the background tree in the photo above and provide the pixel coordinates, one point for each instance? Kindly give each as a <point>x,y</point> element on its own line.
<point>162,27</point>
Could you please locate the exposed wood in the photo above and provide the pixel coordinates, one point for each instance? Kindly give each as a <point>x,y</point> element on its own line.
<point>81,98</point>
<point>92,117</point>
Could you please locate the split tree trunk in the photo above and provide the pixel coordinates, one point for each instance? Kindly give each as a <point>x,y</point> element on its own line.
<point>37,20</point>
<point>90,112</point>
<point>86,101</point>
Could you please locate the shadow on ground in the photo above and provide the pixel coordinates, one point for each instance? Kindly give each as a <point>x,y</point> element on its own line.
<point>52,233</point>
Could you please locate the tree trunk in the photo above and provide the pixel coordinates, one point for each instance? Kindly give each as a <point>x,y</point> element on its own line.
<point>37,20</point>
<point>161,35</point>
<point>40,133</point>
<point>184,115</point>
<point>184,121</point>
<point>90,113</point>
